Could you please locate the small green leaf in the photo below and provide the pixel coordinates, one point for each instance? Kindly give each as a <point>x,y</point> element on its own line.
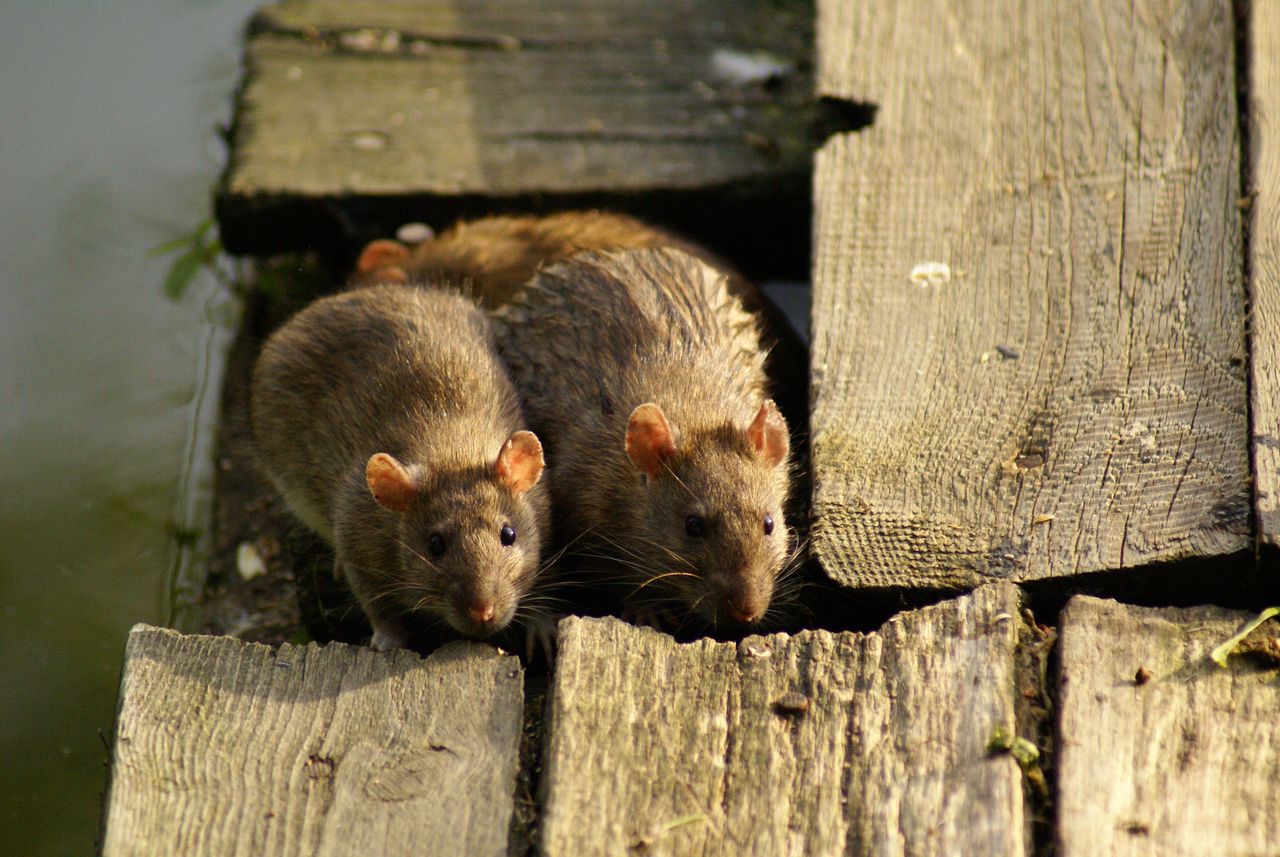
<point>1220,654</point>
<point>1024,752</point>
<point>179,243</point>
<point>182,272</point>
<point>1001,741</point>
<point>191,240</point>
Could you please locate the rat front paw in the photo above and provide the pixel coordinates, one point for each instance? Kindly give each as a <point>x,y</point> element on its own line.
<point>388,637</point>
<point>650,616</point>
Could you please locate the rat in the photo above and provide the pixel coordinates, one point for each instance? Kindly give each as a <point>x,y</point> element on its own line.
<point>644,375</point>
<point>387,423</point>
<point>492,258</point>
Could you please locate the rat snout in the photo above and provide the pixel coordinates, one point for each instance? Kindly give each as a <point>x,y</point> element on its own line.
<point>481,611</point>
<point>746,602</point>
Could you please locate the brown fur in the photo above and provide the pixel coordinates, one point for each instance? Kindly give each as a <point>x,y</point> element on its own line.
<point>591,339</point>
<point>411,374</point>
<point>495,256</point>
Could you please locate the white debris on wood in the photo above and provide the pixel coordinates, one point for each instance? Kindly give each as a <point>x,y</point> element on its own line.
<point>739,68</point>
<point>931,274</point>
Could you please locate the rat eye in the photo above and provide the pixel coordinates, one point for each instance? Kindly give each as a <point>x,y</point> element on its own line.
<point>695,527</point>
<point>768,525</point>
<point>508,535</point>
<point>436,545</point>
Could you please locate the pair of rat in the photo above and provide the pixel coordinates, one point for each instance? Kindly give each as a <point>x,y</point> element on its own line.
<point>393,419</point>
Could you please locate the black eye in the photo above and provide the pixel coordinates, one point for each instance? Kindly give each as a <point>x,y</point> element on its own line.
<point>695,527</point>
<point>508,535</point>
<point>436,545</point>
<point>768,525</point>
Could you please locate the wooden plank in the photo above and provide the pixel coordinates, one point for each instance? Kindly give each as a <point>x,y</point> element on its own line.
<point>224,747</point>
<point>698,749</point>
<point>435,110</point>
<point>1264,263</point>
<point>1069,396</point>
<point>1187,762</point>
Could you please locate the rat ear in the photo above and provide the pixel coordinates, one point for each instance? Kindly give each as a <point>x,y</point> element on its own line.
<point>768,434</point>
<point>384,256</point>
<point>390,483</point>
<point>650,439</point>
<point>520,463</point>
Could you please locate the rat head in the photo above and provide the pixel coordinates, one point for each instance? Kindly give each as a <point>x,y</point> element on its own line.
<point>469,538</point>
<point>710,523</point>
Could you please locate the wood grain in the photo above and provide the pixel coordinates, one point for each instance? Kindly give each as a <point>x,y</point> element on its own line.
<point>1072,400</point>
<point>813,744</point>
<point>1187,762</point>
<point>1264,263</point>
<point>223,747</point>
<point>394,103</point>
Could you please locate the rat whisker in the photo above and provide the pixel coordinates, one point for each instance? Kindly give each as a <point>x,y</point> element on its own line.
<point>667,466</point>
<point>658,577</point>
<point>668,551</point>
<point>428,563</point>
<point>634,566</point>
<point>613,543</point>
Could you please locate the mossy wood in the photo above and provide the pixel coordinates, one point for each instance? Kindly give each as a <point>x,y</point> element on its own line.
<point>812,744</point>
<point>355,116</point>
<point>1183,758</point>
<point>224,747</point>
<point>1029,329</point>
<point>1264,263</point>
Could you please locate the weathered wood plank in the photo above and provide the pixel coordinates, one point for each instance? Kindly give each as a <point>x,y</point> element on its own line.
<point>427,109</point>
<point>223,747</point>
<point>697,749</point>
<point>1071,399</point>
<point>1264,263</point>
<point>1187,762</point>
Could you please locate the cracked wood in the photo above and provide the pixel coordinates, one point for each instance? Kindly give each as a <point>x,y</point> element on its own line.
<point>224,747</point>
<point>1264,262</point>
<point>814,744</point>
<point>1028,353</point>
<point>1185,760</point>
<point>432,110</point>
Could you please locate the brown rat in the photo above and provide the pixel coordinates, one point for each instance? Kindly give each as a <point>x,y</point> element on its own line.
<point>493,257</point>
<point>644,375</point>
<point>387,423</point>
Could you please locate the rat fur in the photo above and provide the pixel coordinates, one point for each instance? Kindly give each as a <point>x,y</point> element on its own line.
<point>387,423</point>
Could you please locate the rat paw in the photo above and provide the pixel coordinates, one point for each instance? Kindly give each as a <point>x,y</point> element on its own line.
<point>387,637</point>
<point>650,616</point>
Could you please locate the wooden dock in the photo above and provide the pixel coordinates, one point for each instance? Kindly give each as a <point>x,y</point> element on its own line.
<point>1045,343</point>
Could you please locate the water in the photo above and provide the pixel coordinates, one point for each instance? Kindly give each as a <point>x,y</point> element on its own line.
<point>108,146</point>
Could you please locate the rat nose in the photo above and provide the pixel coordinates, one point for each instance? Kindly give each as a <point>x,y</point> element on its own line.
<point>745,605</point>
<point>481,611</point>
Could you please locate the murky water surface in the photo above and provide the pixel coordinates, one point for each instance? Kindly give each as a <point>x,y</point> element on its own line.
<point>108,146</point>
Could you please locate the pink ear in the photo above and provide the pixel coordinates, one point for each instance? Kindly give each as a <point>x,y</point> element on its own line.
<point>391,485</point>
<point>768,434</point>
<point>520,464</point>
<point>650,439</point>
<point>381,254</point>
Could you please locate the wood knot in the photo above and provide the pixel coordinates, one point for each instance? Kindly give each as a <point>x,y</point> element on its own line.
<point>791,704</point>
<point>319,768</point>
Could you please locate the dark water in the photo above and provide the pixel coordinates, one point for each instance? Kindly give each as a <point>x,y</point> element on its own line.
<point>108,146</point>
